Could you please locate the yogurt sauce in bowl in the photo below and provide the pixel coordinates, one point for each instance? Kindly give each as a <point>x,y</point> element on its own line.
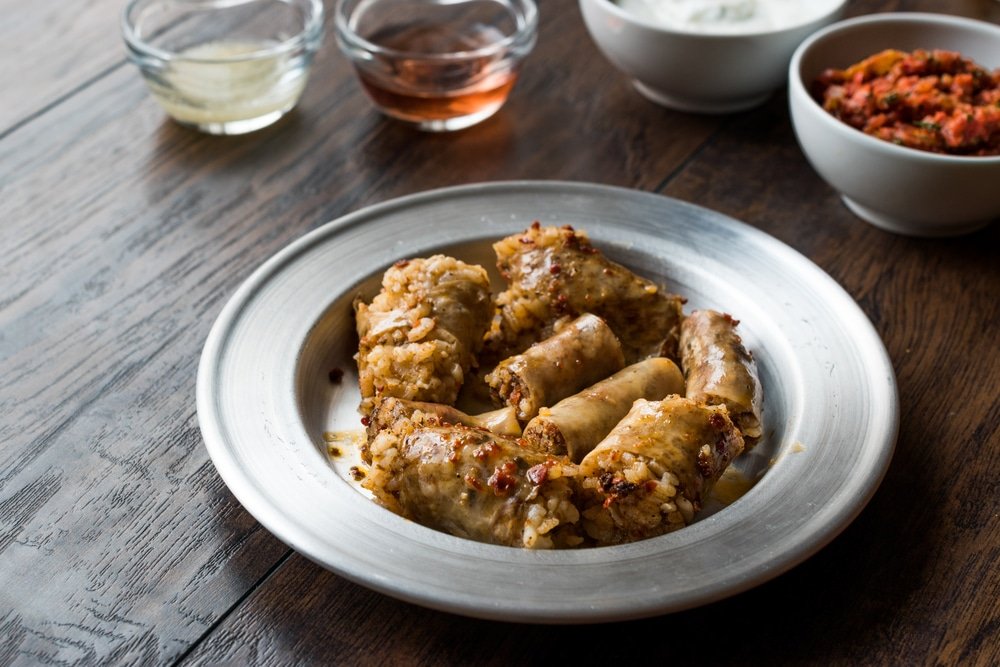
<point>705,56</point>
<point>724,16</point>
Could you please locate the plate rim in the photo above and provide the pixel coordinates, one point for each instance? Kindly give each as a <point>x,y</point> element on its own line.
<point>259,506</point>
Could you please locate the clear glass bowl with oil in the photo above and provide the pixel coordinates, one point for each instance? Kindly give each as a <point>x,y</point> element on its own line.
<point>439,65</point>
<point>224,66</point>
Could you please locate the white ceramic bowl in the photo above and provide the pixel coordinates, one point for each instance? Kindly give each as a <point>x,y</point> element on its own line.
<point>899,189</point>
<point>703,71</point>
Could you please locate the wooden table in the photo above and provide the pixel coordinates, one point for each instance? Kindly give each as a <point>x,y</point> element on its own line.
<point>123,234</point>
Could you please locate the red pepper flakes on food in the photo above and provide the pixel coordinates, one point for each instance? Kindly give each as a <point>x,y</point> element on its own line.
<point>717,421</point>
<point>502,480</point>
<point>539,473</point>
<point>402,263</point>
<point>472,480</point>
<point>705,463</point>
<point>561,304</point>
<point>485,451</point>
<point>611,483</point>
<point>614,487</point>
<point>365,421</point>
<point>457,445</point>
<point>536,225</point>
<point>555,269</point>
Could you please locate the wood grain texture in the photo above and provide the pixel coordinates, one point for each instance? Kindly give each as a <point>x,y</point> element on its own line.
<point>122,235</point>
<point>51,49</point>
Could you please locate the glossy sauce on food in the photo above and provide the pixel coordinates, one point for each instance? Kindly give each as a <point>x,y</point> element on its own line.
<point>731,486</point>
<point>608,455</point>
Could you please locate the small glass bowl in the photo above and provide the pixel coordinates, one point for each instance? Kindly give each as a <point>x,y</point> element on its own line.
<point>224,66</point>
<point>439,65</point>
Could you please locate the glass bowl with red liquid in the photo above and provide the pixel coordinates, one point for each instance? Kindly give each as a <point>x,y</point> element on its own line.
<point>439,65</point>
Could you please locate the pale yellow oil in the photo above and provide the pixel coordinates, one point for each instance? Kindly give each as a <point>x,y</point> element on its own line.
<point>731,486</point>
<point>194,89</point>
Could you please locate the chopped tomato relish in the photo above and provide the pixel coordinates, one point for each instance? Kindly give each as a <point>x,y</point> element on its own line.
<point>935,101</point>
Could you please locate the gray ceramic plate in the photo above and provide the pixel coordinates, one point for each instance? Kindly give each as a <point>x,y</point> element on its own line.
<point>265,401</point>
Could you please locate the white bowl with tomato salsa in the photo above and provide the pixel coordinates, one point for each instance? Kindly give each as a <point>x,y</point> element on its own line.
<point>890,112</point>
<point>705,56</point>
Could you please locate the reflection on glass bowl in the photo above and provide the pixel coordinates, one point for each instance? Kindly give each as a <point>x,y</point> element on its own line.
<point>437,66</point>
<point>224,66</point>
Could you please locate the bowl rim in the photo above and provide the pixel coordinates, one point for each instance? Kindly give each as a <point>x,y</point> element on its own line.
<point>526,12</point>
<point>311,30</point>
<point>836,6</point>
<point>797,87</point>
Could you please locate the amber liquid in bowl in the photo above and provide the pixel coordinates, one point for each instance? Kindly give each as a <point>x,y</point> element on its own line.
<point>475,98</point>
<point>438,78</point>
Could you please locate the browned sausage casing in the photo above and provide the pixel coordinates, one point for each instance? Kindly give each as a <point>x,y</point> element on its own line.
<point>473,484</point>
<point>583,352</point>
<point>720,371</point>
<point>554,274</point>
<point>576,424</point>
<point>390,411</point>
<point>650,475</point>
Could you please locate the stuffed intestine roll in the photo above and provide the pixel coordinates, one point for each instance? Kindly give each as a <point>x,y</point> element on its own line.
<point>576,424</point>
<point>420,334</point>
<point>649,476</point>
<point>392,413</point>
<point>581,353</point>
<point>473,484</point>
<point>720,371</point>
<point>555,274</point>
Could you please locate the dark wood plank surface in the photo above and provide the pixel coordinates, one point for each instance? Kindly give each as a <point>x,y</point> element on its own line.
<point>53,49</point>
<point>122,235</point>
